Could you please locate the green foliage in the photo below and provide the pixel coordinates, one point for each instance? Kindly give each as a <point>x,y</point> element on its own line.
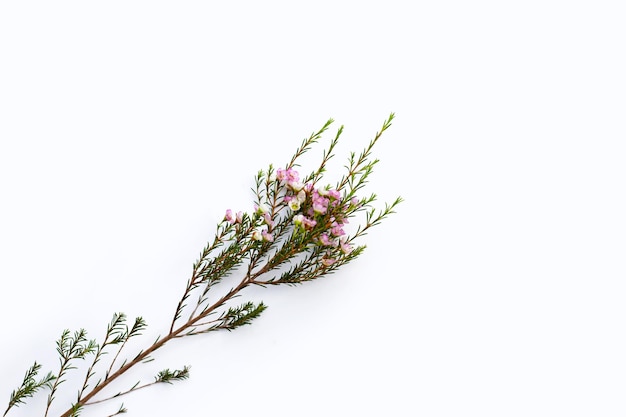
<point>30,385</point>
<point>168,376</point>
<point>70,347</point>
<point>241,315</point>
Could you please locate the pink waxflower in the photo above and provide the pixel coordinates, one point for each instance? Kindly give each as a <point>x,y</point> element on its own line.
<point>301,196</point>
<point>239,217</point>
<point>337,229</point>
<point>261,209</point>
<point>257,235</point>
<point>346,248</point>
<point>296,186</point>
<point>289,176</point>
<point>328,261</point>
<point>304,222</point>
<point>319,207</point>
<point>292,176</point>
<point>268,220</point>
<point>281,174</point>
<point>334,194</point>
<point>325,240</point>
<point>298,219</point>
<point>230,217</point>
<point>294,204</point>
<point>320,204</point>
<point>267,236</point>
<point>308,223</point>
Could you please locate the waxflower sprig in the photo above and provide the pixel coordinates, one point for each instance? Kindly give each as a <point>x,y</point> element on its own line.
<point>297,231</point>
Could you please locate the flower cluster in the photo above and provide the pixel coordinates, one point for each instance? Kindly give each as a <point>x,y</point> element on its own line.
<point>322,212</point>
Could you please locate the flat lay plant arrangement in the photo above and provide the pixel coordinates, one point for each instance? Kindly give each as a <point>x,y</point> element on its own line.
<point>300,228</point>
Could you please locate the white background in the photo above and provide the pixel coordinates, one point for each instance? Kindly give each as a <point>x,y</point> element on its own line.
<point>498,289</point>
